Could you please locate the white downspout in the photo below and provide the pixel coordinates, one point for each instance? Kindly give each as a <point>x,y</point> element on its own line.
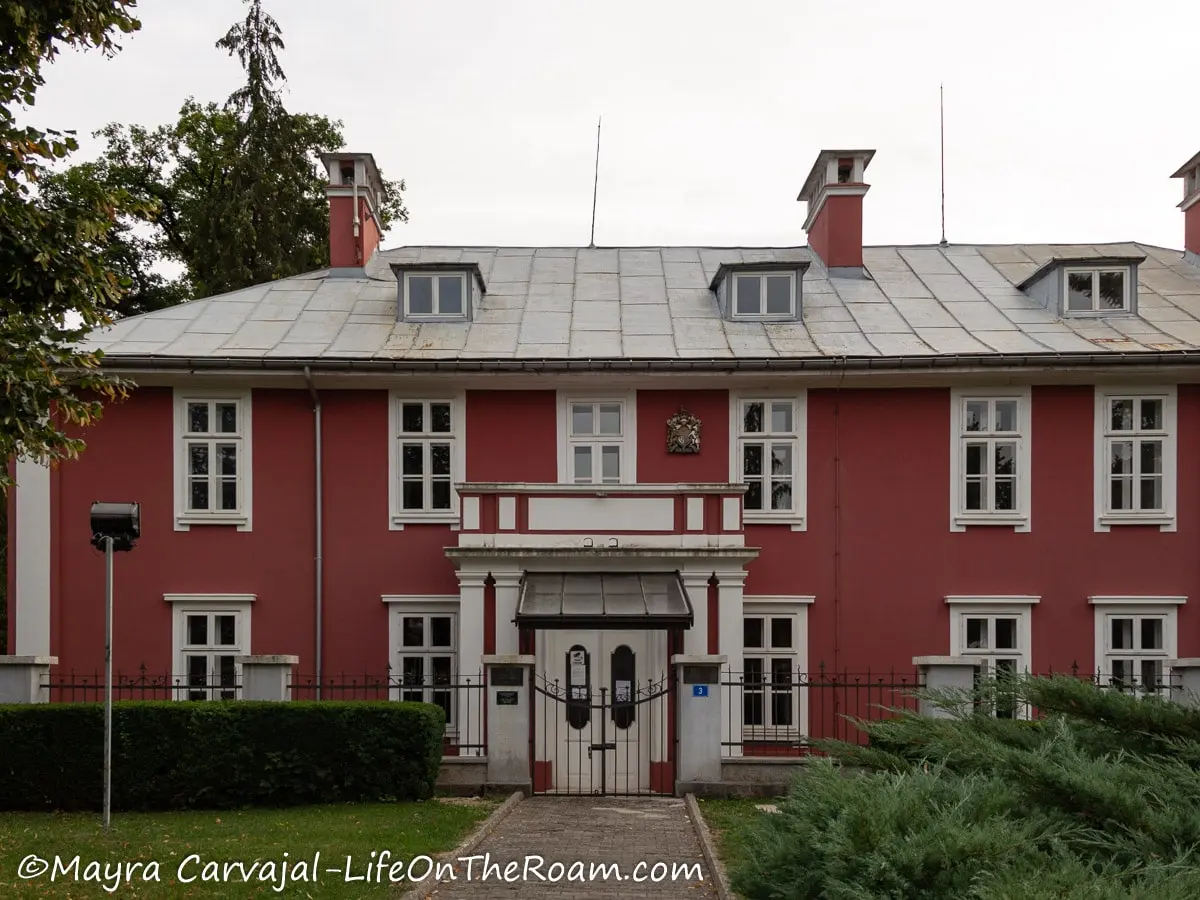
<point>320,522</point>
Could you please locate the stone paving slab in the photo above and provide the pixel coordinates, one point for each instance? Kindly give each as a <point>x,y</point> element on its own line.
<point>604,830</point>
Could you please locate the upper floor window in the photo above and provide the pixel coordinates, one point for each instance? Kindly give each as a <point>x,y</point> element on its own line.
<point>1135,637</point>
<point>426,459</point>
<point>435,295</point>
<point>1097,290</point>
<point>764,295</point>
<point>598,444</point>
<point>990,459</point>
<point>212,459</point>
<point>769,457</point>
<point>1135,457</point>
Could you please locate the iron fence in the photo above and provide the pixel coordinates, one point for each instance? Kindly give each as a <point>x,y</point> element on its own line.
<point>76,687</point>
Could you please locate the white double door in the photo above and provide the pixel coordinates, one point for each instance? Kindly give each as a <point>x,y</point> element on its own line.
<point>603,740</point>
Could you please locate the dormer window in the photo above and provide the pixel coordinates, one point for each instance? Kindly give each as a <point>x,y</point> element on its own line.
<point>434,295</point>
<point>764,294</point>
<point>1098,290</point>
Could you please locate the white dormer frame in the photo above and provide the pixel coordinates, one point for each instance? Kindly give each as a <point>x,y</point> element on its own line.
<point>1127,275</point>
<point>436,314</point>
<point>763,315</point>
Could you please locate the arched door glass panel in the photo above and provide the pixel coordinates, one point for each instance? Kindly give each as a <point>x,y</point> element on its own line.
<point>623,670</point>
<point>579,701</point>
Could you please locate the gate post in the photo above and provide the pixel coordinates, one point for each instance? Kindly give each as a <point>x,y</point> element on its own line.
<point>24,679</point>
<point>699,683</point>
<point>1185,681</point>
<point>267,677</point>
<point>509,707</point>
<point>956,673</point>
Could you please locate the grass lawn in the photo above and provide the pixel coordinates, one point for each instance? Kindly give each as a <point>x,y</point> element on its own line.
<point>355,830</point>
<point>725,818</point>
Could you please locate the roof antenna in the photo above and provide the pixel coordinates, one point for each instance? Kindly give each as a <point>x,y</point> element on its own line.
<point>595,183</point>
<point>942,116</point>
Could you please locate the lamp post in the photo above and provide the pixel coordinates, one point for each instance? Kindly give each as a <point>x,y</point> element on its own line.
<point>115,526</point>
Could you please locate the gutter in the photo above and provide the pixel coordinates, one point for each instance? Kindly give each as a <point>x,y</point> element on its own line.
<point>319,575</point>
<point>764,364</point>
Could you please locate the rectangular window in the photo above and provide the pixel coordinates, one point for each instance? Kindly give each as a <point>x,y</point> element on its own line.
<point>210,633</point>
<point>995,632</point>
<point>1136,457</point>
<point>426,654</point>
<point>771,681</point>
<point>990,454</point>
<point>768,456</point>
<point>426,459</point>
<point>213,460</point>
<point>1097,290</point>
<point>435,295</point>
<point>758,295</point>
<point>1134,639</point>
<point>599,445</point>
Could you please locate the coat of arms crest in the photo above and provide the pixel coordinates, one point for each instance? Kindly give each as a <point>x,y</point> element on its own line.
<point>683,433</point>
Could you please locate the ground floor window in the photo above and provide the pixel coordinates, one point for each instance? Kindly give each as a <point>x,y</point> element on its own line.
<point>774,658</point>
<point>1134,639</point>
<point>209,636</point>
<point>996,632</point>
<point>424,657</point>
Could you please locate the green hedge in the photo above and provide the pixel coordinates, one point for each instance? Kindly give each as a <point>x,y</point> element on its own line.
<point>218,755</point>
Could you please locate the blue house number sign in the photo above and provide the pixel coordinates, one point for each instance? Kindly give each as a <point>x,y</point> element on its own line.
<point>699,690</point>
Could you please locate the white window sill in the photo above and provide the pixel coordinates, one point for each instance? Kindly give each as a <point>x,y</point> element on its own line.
<point>1010,521</point>
<point>1137,519</point>
<point>215,519</point>
<point>797,522</point>
<point>398,522</point>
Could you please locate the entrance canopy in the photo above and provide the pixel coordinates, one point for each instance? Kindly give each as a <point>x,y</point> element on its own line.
<point>609,600</point>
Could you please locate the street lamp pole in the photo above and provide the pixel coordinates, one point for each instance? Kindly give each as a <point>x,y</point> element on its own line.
<point>108,637</point>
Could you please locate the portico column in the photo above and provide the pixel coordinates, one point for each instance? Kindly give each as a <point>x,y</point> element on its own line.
<point>470,651</point>
<point>695,639</point>
<point>508,591</point>
<point>730,589</point>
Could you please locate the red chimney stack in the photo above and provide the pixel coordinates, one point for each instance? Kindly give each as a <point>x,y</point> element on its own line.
<point>834,191</point>
<point>1190,173</point>
<point>353,191</point>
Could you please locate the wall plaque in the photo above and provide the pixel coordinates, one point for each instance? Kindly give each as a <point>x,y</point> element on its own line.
<point>508,676</point>
<point>508,698</point>
<point>683,433</point>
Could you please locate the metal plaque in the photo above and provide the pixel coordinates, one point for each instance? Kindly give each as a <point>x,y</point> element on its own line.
<point>508,676</point>
<point>508,698</point>
<point>701,673</point>
<point>699,690</point>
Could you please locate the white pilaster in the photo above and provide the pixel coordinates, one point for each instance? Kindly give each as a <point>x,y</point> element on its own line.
<point>470,645</point>
<point>695,639</point>
<point>32,543</point>
<point>508,591</point>
<point>730,591</point>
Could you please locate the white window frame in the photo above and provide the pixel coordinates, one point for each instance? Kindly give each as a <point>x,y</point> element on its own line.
<point>184,605</point>
<point>242,517</point>
<point>1126,273</point>
<point>457,437</point>
<point>398,607</point>
<point>735,274</point>
<point>769,607</point>
<point>627,440</point>
<point>1107,607</point>
<point>796,517</point>
<point>1106,517</point>
<point>960,517</point>
<point>436,314</point>
<point>1019,607</point>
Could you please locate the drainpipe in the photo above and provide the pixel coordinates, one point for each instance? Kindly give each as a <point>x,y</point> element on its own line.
<point>320,522</point>
<point>837,523</point>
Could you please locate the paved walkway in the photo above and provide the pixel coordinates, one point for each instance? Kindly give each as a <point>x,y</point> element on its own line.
<point>602,830</point>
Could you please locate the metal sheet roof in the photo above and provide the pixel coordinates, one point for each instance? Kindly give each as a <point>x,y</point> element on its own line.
<point>655,303</point>
<point>603,600</point>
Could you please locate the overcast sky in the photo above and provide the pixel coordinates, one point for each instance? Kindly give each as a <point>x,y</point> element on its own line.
<point>1064,118</point>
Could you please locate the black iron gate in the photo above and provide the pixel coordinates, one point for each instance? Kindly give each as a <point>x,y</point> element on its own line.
<point>602,741</point>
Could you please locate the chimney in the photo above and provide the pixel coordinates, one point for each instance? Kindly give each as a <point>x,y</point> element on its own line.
<point>834,192</point>
<point>353,191</point>
<point>1190,173</point>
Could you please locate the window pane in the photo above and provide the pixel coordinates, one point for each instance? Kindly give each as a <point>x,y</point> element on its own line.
<point>1150,494</point>
<point>1152,415</point>
<point>197,670</point>
<point>610,418</point>
<point>226,628</point>
<point>227,418</point>
<point>752,708</point>
<point>977,634</point>
<point>412,417</point>
<point>412,459</point>
<point>1121,455</point>
<point>229,494</point>
<point>439,459</point>
<point>1122,415</point>
<point>1006,459</point>
<point>197,631</point>
<point>779,295</point>
<point>420,295</point>
<point>752,418</point>
<point>1006,415</point>
<point>413,495</point>
<point>450,295</point>
<point>781,459</point>
<point>440,669</point>
<point>754,670</point>
<point>1152,674</point>
<point>412,670</point>
<point>752,459</point>
<point>781,495</point>
<point>226,459</point>
<point>976,494</point>
<point>198,418</point>
<point>1121,494</point>
<point>199,494</point>
<point>749,303</point>
<point>440,631</point>
<point>753,498</point>
<point>439,418</point>
<point>976,417</point>
<point>439,493</point>
<point>1152,634</point>
<point>1151,457</point>
<point>413,631</point>
<point>610,463</point>
<point>583,463</point>
<point>781,418</point>
<point>1122,671</point>
<point>198,454</point>
<point>752,633</point>
<point>581,418</point>
<point>977,458</point>
<point>1079,291</point>
<point>781,633</point>
<point>1122,634</point>
<point>1112,290</point>
<point>1006,634</point>
<point>1006,494</point>
<point>227,667</point>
